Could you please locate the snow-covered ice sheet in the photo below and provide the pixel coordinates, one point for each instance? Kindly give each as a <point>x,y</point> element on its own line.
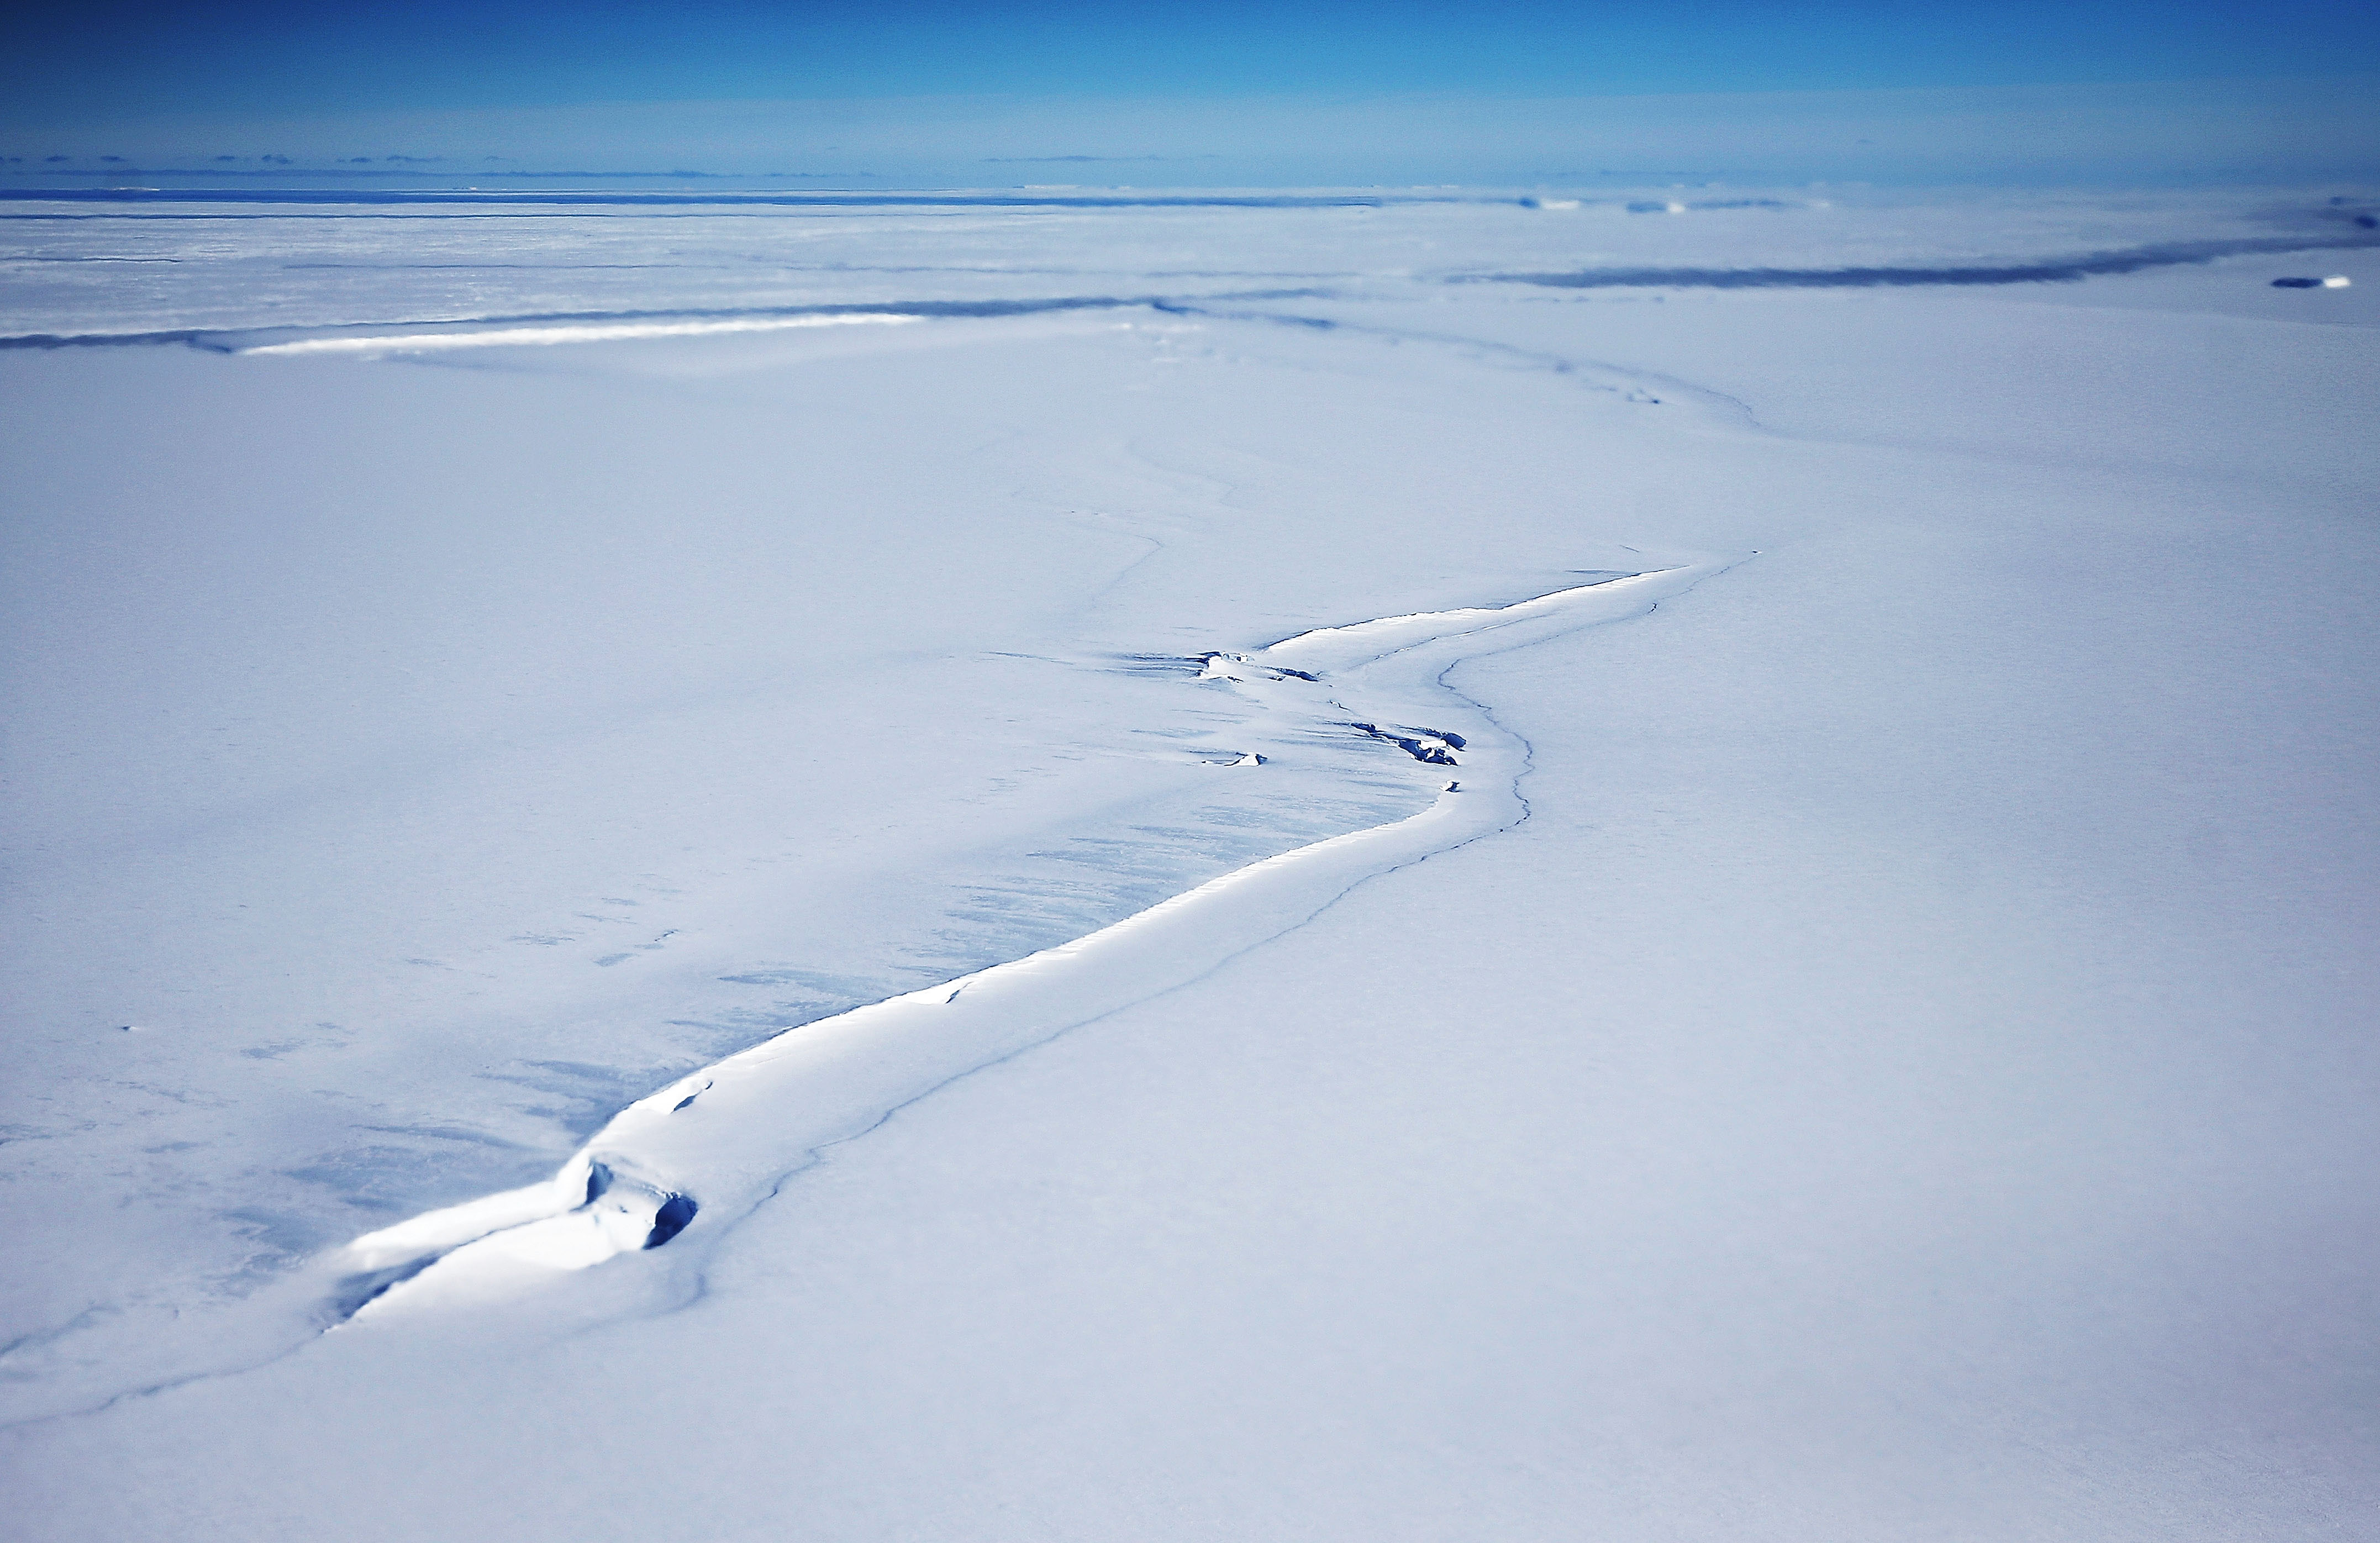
<point>1873,1043</point>
<point>726,1138</point>
<point>103,266</point>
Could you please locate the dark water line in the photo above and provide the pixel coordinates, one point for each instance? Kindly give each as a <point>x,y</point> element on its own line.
<point>232,339</point>
<point>789,200</point>
<point>102,340</point>
<point>2060,271</point>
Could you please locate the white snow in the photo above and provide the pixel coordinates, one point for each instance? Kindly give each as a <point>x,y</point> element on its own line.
<point>613,332</point>
<point>1283,898</point>
<point>731,1133</point>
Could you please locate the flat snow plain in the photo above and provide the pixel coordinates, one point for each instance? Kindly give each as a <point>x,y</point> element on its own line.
<point>1875,1042</point>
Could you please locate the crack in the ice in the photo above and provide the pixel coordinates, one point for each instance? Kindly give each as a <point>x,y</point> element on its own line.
<point>2062,270</point>
<point>640,1209</point>
<point>239,340</point>
<point>1427,746</point>
<point>1430,746</point>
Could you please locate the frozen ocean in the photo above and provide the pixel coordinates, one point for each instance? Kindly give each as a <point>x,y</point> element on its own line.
<point>1094,864</point>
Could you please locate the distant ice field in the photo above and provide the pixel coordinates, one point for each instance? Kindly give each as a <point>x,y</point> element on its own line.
<point>174,262</point>
<point>1363,866</point>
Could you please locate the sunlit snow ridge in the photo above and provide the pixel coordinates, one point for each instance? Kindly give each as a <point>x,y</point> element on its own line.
<point>597,332</point>
<point>718,1142</point>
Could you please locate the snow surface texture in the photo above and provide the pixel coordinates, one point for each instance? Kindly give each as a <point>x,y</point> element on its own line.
<point>769,1111</point>
<point>667,882</point>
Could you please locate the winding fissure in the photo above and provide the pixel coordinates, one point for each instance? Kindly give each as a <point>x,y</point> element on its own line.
<point>722,1139</point>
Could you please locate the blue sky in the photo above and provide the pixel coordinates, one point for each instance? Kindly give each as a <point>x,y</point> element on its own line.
<point>590,84</point>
